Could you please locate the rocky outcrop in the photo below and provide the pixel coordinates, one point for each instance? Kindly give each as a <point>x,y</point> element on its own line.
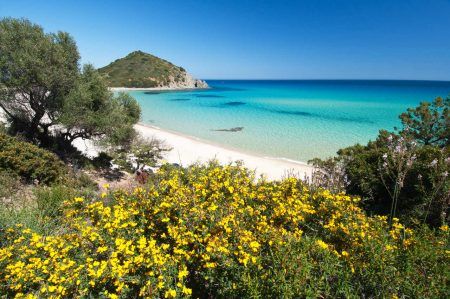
<point>185,82</point>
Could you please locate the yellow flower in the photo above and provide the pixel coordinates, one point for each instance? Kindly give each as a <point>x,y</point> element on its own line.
<point>389,247</point>
<point>78,199</point>
<point>171,293</point>
<point>254,245</point>
<point>183,273</point>
<point>210,265</point>
<point>102,249</point>
<point>186,291</point>
<point>322,244</point>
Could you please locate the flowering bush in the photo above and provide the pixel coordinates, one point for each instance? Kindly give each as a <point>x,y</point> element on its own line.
<point>213,231</point>
<point>402,173</point>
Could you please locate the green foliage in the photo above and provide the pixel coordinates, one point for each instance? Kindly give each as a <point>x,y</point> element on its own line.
<point>46,95</point>
<point>139,69</point>
<point>29,161</point>
<point>211,231</point>
<point>37,71</point>
<point>140,153</point>
<point>41,210</point>
<point>429,123</point>
<point>297,269</point>
<point>408,169</point>
<point>92,111</point>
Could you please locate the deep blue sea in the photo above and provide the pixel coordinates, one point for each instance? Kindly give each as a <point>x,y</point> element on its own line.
<point>297,120</point>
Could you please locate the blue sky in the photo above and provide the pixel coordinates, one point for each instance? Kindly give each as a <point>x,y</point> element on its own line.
<point>316,39</point>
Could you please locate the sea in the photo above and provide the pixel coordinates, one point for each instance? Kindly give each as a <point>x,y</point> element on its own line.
<point>287,119</point>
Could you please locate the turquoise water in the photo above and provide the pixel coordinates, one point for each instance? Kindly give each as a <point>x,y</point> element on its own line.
<point>296,120</point>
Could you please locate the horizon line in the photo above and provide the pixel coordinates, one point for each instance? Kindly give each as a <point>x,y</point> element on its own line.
<point>323,79</point>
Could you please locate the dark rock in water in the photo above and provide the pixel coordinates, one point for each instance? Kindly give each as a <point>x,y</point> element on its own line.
<point>234,103</point>
<point>152,92</point>
<point>208,96</point>
<point>235,129</point>
<point>179,100</point>
<point>288,112</point>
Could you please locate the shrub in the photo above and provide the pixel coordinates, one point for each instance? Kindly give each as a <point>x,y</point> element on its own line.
<point>425,186</point>
<point>403,173</point>
<point>29,161</point>
<point>140,153</point>
<point>212,231</point>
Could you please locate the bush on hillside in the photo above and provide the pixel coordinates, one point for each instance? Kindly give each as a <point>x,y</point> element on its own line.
<point>424,188</point>
<point>211,231</point>
<point>29,161</point>
<point>403,173</point>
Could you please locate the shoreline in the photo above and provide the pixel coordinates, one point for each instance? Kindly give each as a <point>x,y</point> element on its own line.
<point>187,150</point>
<point>155,88</point>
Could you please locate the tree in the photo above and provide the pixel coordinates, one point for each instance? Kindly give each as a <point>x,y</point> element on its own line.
<point>429,123</point>
<point>44,94</point>
<point>92,111</point>
<point>141,152</point>
<point>37,72</point>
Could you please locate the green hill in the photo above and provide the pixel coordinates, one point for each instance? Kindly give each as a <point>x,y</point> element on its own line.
<point>142,70</point>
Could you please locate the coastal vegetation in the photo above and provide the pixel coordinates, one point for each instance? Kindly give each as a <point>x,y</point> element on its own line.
<point>215,231</point>
<point>143,70</point>
<point>372,222</point>
<point>402,173</point>
<point>48,100</point>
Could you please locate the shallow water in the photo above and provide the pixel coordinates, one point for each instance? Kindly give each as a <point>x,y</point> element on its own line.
<point>297,120</point>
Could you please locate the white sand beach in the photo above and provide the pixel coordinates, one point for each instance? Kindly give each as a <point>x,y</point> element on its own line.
<point>143,88</point>
<point>187,150</point>
<point>168,88</point>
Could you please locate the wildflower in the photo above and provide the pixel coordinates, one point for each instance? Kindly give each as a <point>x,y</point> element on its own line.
<point>389,247</point>
<point>182,274</point>
<point>210,265</point>
<point>433,163</point>
<point>322,244</point>
<point>186,291</point>
<point>102,249</point>
<point>254,245</point>
<point>171,293</point>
